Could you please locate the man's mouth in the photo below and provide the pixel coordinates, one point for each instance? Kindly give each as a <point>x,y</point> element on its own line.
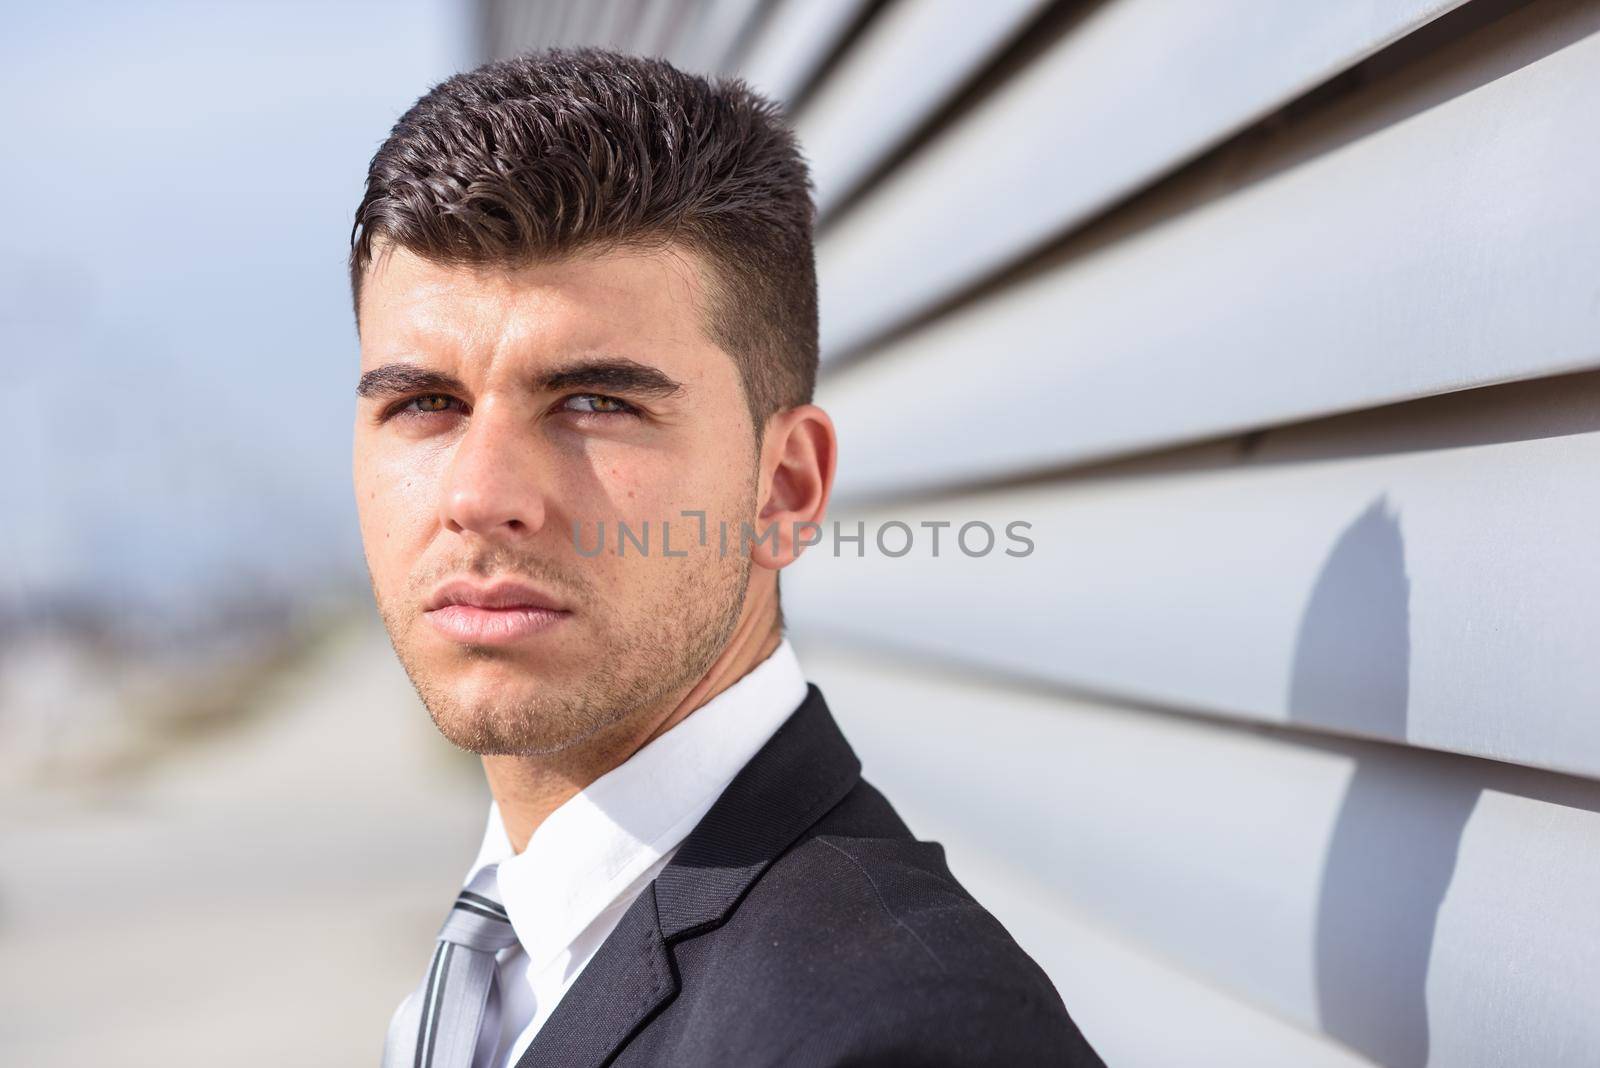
<point>495,614</point>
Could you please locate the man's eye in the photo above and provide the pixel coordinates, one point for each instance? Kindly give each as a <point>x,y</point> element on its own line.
<point>425,404</point>
<point>433,402</point>
<point>598,404</point>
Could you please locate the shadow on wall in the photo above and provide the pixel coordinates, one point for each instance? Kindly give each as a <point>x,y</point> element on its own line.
<point>1393,849</point>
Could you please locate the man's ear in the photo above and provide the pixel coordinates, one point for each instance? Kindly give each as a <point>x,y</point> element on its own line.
<point>798,454</point>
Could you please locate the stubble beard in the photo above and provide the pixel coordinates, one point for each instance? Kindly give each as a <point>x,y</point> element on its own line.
<point>644,662</point>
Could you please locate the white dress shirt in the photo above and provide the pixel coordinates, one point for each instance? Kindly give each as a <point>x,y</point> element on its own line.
<point>591,857</point>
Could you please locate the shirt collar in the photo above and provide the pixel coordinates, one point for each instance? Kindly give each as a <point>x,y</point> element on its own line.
<point>600,843</point>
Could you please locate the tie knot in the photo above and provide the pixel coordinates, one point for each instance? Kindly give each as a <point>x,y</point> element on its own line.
<point>478,921</point>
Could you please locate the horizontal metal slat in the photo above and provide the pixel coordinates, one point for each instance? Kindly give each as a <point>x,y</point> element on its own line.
<point>1455,249</point>
<point>1424,574</point>
<point>1050,149</point>
<point>1419,908</point>
<point>1113,989</point>
<point>909,61</point>
<point>794,41</point>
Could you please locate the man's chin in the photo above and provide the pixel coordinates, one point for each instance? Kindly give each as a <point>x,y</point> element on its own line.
<point>511,718</point>
<point>495,733</point>
<point>492,673</point>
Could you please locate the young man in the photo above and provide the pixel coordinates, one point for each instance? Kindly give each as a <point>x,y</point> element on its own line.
<point>584,448</point>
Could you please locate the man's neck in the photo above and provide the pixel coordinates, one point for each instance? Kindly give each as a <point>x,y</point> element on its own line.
<point>528,788</point>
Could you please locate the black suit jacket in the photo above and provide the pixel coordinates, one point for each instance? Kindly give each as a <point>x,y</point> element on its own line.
<point>801,923</point>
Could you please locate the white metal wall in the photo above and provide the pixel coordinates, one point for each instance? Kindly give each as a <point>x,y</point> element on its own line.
<point>1279,323</point>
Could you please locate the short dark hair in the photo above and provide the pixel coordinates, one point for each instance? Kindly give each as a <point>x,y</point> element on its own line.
<point>564,151</point>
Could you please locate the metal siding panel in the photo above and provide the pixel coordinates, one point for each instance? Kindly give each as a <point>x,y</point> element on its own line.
<point>656,27</point>
<point>1113,989</point>
<point>794,42</point>
<point>1425,574</point>
<point>910,59</point>
<point>612,19</point>
<point>1454,249</point>
<point>1184,76</point>
<point>1416,907</point>
<point>567,23</point>
<point>707,46</point>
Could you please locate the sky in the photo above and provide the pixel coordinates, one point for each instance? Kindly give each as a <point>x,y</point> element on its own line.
<point>175,331</point>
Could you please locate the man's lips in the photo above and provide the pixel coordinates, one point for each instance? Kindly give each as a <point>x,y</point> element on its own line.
<point>506,593</point>
<point>496,614</point>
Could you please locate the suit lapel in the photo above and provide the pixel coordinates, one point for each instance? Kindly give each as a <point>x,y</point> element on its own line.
<point>630,977</point>
<point>804,770</point>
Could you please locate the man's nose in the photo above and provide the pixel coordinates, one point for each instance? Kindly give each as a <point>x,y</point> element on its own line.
<point>493,486</point>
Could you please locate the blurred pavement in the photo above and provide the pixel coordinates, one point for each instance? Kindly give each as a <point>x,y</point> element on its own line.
<point>264,894</point>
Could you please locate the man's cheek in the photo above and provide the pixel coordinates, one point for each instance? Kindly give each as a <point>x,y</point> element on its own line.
<point>406,491</point>
<point>396,528</point>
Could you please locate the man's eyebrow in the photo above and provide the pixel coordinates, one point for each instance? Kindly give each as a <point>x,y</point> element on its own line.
<point>614,373</point>
<point>393,379</point>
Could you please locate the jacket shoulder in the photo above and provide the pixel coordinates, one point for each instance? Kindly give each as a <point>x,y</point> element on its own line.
<point>861,872</point>
<point>877,954</point>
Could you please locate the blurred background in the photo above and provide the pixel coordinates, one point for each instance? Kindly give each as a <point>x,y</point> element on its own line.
<point>1278,322</point>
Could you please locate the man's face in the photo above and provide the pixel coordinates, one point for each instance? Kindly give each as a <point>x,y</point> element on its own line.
<point>499,410</point>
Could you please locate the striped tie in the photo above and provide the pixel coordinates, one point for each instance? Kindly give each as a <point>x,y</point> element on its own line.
<point>437,1025</point>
